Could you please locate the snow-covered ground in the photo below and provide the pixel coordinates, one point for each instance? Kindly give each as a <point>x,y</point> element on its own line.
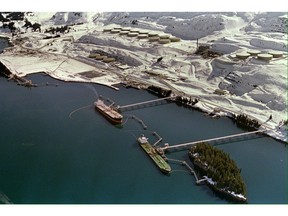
<point>257,88</point>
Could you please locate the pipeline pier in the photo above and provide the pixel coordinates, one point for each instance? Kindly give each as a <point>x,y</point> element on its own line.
<point>140,121</point>
<point>190,169</point>
<point>159,138</point>
<point>216,141</point>
<point>155,102</point>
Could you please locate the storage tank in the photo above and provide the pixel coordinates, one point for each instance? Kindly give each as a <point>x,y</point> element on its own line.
<point>164,36</point>
<point>141,36</point>
<point>253,52</point>
<point>108,60</point>
<point>132,34</point>
<point>153,39</point>
<point>276,54</point>
<point>115,31</point>
<point>126,28</point>
<point>164,41</point>
<point>100,57</point>
<point>143,31</point>
<point>123,32</point>
<point>265,56</point>
<point>135,30</point>
<point>93,55</point>
<point>152,34</point>
<point>242,55</point>
<point>174,39</point>
<point>107,29</point>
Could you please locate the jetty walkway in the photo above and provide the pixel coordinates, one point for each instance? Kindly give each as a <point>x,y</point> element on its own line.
<point>184,163</point>
<point>159,138</point>
<point>215,141</point>
<point>144,104</point>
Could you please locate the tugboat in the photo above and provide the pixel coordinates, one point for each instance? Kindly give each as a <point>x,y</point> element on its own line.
<point>154,155</point>
<point>109,113</point>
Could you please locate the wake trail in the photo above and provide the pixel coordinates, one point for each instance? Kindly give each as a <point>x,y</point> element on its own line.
<point>74,111</point>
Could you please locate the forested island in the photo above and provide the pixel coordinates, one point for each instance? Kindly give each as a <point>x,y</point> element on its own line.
<point>223,175</point>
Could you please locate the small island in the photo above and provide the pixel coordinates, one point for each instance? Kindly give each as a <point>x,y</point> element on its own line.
<point>221,172</point>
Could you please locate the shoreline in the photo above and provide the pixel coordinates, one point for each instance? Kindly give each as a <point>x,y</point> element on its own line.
<point>110,76</point>
<point>197,108</point>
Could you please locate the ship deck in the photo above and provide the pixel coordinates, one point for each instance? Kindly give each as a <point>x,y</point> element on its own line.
<point>154,155</point>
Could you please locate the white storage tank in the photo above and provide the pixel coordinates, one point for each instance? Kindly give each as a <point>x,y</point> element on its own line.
<point>242,55</point>
<point>174,39</point>
<point>153,39</point>
<point>164,36</point>
<point>141,36</point>
<point>123,32</point>
<point>135,30</point>
<point>93,55</point>
<point>115,31</point>
<point>132,34</point>
<point>152,34</point>
<point>276,54</point>
<point>126,28</point>
<point>100,57</point>
<point>107,29</point>
<point>143,31</point>
<point>265,56</point>
<point>253,52</point>
<point>164,41</point>
<point>108,60</point>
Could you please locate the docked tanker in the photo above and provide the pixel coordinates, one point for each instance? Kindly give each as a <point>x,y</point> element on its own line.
<point>109,113</point>
<point>154,155</point>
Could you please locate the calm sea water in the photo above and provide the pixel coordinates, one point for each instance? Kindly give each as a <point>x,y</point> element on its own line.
<point>48,157</point>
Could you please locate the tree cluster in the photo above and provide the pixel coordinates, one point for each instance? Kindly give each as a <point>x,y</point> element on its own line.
<point>245,122</point>
<point>61,29</point>
<point>11,16</point>
<point>10,25</point>
<point>217,164</point>
<point>15,16</point>
<point>35,26</point>
<point>185,101</point>
<point>3,19</point>
<point>205,52</point>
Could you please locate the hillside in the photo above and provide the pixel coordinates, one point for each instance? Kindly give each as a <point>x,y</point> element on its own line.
<point>58,41</point>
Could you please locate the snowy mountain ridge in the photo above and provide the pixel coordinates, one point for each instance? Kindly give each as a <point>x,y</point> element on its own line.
<point>188,25</point>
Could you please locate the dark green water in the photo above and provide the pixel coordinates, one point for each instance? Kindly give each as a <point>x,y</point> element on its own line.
<point>47,157</point>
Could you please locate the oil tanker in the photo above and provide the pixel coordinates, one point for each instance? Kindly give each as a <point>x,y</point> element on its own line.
<point>154,155</point>
<point>109,113</point>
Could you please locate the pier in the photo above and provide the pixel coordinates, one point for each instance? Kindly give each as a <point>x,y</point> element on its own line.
<point>184,163</point>
<point>216,141</point>
<point>140,121</point>
<point>144,104</point>
<point>159,138</point>
<point>21,80</point>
